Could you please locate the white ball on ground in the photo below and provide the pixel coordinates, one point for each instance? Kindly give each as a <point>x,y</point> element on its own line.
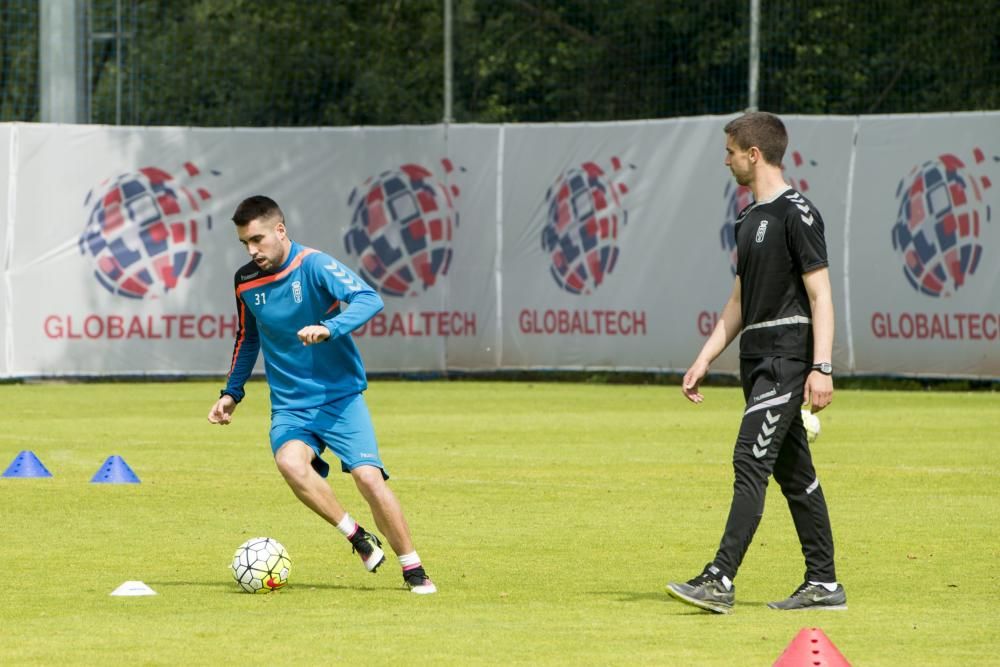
<point>261,565</point>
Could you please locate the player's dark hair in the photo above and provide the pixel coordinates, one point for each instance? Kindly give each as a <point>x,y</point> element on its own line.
<point>257,207</point>
<point>763,130</point>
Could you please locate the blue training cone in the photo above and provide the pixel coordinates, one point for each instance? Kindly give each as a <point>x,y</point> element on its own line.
<point>114,471</point>
<point>26,464</point>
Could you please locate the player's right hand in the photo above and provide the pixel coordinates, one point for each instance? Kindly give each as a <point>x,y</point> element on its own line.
<point>222,412</point>
<point>693,378</point>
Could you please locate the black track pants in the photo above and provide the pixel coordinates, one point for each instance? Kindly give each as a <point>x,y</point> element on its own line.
<point>772,440</point>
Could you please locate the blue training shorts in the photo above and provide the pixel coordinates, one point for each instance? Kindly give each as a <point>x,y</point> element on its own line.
<point>343,425</point>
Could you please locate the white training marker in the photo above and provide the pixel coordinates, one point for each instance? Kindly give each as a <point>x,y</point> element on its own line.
<point>133,588</point>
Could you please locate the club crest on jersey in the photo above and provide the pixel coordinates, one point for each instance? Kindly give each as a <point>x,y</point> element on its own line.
<point>297,291</point>
<point>761,230</point>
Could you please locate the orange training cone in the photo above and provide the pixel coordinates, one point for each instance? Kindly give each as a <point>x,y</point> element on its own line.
<point>811,648</point>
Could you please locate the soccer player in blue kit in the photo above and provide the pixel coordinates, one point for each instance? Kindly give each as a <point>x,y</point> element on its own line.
<point>781,304</point>
<point>300,306</point>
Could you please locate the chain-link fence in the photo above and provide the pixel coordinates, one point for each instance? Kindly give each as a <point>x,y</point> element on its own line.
<point>19,60</point>
<point>351,62</point>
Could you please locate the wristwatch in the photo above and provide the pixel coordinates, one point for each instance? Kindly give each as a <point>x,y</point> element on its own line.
<point>824,367</point>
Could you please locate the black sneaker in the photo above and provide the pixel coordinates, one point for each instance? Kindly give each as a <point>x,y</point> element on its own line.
<point>706,591</point>
<point>369,548</point>
<point>418,582</point>
<point>813,596</point>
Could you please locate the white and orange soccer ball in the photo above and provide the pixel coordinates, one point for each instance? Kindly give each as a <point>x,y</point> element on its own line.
<point>261,565</point>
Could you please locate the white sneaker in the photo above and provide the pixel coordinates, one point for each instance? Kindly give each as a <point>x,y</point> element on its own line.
<point>418,582</point>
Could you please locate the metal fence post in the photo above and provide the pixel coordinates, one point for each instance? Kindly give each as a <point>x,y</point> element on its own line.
<point>62,80</point>
<point>754,73</point>
<point>448,70</point>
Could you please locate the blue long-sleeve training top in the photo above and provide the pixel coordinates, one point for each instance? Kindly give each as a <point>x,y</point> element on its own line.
<point>310,287</point>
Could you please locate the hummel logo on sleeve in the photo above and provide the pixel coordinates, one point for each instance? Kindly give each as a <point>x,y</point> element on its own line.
<point>801,204</point>
<point>342,275</point>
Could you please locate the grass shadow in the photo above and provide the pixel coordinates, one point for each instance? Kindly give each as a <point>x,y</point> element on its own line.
<point>677,608</point>
<point>231,587</point>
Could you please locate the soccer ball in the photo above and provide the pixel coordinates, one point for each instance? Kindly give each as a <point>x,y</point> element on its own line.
<point>811,422</point>
<point>261,565</point>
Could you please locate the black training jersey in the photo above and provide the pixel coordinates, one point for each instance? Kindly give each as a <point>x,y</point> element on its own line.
<point>776,242</point>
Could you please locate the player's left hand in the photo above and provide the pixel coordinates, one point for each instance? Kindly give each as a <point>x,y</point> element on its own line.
<point>314,333</point>
<point>692,379</point>
<point>818,391</point>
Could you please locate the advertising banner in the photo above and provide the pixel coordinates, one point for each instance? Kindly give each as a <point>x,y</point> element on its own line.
<point>925,246</point>
<point>581,246</point>
<point>7,160</point>
<point>125,251</point>
<point>607,246</point>
<point>418,223</point>
<point>619,240</point>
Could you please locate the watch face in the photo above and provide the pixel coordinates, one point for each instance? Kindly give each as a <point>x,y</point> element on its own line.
<point>824,367</point>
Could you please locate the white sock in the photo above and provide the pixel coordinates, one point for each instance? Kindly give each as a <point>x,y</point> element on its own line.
<point>347,526</point>
<point>409,561</point>
<point>830,587</point>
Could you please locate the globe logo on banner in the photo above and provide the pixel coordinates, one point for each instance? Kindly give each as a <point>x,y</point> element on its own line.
<point>142,231</point>
<point>738,197</point>
<point>939,223</point>
<point>401,229</point>
<point>584,217</point>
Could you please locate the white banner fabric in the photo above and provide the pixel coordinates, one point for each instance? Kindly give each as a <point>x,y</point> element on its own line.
<point>7,161</point>
<point>446,319</point>
<point>584,246</point>
<point>618,240</point>
<point>925,246</point>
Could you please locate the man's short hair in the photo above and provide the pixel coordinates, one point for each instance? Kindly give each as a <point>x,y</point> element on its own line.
<point>763,130</point>
<point>257,207</point>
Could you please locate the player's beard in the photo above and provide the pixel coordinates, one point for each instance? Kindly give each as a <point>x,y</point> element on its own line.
<point>741,178</point>
<point>265,262</point>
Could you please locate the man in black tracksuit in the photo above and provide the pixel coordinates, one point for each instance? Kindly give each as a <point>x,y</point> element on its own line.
<point>781,302</point>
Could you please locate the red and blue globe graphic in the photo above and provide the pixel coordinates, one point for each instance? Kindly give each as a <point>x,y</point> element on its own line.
<point>939,224</point>
<point>401,231</point>
<point>142,231</point>
<point>584,218</point>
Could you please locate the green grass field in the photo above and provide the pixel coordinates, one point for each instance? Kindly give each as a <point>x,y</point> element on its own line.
<point>549,515</point>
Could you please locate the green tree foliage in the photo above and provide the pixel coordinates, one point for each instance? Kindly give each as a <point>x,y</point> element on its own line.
<point>569,60</point>
<point>380,62</point>
<point>18,62</point>
<point>885,56</point>
<point>295,62</point>
<point>544,60</point>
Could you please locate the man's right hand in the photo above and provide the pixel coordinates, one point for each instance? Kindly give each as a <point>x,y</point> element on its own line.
<point>692,379</point>
<point>222,412</point>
